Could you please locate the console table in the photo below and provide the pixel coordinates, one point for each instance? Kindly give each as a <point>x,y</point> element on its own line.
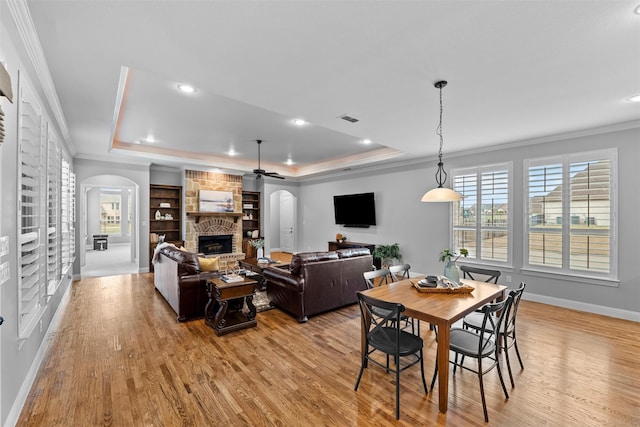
<point>335,245</point>
<point>223,312</point>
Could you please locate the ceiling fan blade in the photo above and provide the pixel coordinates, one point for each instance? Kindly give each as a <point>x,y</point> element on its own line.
<point>274,175</point>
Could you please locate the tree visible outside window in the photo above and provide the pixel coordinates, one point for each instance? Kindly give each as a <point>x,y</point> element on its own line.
<point>110,213</point>
<point>570,212</point>
<point>482,218</point>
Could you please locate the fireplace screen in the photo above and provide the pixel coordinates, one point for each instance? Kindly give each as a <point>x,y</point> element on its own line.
<point>222,244</point>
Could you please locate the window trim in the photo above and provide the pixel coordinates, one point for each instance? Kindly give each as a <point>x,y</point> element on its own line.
<point>593,277</point>
<point>479,171</point>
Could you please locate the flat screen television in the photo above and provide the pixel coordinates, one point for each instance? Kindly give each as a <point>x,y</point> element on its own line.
<point>355,210</point>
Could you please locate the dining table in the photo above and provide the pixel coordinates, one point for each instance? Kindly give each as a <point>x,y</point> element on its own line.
<point>439,309</point>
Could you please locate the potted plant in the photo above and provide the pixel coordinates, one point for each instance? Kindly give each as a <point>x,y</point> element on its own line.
<point>451,269</point>
<point>259,245</point>
<point>387,253</point>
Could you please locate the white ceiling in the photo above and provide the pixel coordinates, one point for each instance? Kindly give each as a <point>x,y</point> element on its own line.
<point>517,70</point>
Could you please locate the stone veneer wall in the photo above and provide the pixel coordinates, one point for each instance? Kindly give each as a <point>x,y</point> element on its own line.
<point>199,180</point>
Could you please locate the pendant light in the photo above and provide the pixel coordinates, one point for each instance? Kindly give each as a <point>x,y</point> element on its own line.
<point>441,193</point>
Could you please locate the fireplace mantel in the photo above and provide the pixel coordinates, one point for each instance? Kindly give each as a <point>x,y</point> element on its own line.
<point>198,215</point>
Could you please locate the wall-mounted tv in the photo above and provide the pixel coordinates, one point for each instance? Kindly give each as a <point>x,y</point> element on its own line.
<point>355,210</point>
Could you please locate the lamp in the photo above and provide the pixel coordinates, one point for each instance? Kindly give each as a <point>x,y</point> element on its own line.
<point>441,194</point>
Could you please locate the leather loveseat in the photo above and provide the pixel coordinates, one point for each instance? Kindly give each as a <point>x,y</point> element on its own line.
<point>318,281</point>
<point>180,280</point>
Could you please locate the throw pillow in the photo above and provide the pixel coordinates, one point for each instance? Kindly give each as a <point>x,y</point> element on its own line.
<point>209,264</point>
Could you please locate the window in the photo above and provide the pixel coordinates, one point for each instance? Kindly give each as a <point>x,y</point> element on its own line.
<point>110,213</point>
<point>482,218</point>
<point>31,163</point>
<point>570,211</point>
<point>53,212</point>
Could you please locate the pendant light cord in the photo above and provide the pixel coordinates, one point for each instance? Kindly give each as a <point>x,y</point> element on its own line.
<point>441,175</point>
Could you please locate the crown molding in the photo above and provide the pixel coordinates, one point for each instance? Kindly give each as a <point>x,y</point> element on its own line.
<point>24,24</point>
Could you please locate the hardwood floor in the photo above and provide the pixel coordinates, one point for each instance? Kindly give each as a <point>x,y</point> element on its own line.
<point>119,358</point>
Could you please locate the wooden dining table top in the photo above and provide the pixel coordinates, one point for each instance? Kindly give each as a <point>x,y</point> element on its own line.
<point>437,307</point>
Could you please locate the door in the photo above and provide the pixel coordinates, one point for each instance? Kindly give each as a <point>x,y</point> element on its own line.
<point>286,222</point>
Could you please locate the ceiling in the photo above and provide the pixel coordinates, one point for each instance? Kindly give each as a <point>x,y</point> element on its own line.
<point>517,71</point>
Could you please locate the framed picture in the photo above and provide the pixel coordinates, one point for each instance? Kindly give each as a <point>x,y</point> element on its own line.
<point>216,201</point>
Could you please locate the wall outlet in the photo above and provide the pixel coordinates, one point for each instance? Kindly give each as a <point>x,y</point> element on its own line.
<point>4,246</point>
<point>5,273</point>
<point>508,278</point>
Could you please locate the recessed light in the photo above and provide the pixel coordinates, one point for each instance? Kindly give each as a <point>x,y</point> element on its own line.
<point>634,98</point>
<point>299,122</point>
<point>637,10</point>
<point>186,88</point>
<point>366,141</point>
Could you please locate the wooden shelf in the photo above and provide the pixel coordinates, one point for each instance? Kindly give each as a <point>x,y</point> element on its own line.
<point>250,198</point>
<point>198,215</point>
<point>171,228</point>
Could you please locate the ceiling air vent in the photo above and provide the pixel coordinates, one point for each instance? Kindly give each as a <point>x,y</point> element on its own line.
<point>348,118</point>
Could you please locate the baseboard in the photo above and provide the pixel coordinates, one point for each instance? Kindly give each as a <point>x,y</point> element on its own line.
<point>583,306</point>
<point>25,388</point>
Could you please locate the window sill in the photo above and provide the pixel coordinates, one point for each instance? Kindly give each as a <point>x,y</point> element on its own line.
<point>587,280</point>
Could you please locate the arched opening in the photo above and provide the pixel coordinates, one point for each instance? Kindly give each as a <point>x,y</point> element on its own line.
<point>109,243</point>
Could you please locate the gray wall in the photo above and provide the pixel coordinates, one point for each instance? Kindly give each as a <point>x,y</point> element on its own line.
<point>19,358</point>
<point>422,229</point>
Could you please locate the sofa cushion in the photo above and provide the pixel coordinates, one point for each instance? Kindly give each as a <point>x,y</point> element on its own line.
<point>188,261</point>
<point>209,264</point>
<point>352,252</point>
<point>302,258</point>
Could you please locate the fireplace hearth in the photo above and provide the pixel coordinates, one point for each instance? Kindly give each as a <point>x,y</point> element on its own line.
<point>212,245</point>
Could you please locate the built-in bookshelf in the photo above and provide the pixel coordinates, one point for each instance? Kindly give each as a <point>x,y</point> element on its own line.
<point>165,216</point>
<point>250,220</point>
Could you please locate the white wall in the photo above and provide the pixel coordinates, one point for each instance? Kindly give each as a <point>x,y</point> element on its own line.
<point>422,229</point>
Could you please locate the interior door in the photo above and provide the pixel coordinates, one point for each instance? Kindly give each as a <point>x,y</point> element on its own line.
<point>286,223</point>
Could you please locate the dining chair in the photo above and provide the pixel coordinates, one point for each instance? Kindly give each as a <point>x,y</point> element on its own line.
<point>399,272</point>
<point>386,336</point>
<point>375,278</point>
<point>491,276</point>
<point>508,332</point>
<point>382,277</point>
<point>481,345</point>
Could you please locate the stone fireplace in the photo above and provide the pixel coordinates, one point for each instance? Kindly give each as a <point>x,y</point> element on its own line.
<point>211,227</point>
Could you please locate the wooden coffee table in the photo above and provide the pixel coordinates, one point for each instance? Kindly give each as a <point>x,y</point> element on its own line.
<point>252,264</point>
<point>223,312</point>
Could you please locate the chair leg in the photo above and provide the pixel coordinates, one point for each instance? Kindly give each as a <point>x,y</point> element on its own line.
<point>515,344</point>
<point>505,347</point>
<point>424,382</point>
<point>455,363</point>
<point>360,374</point>
<point>397,390</point>
<point>484,402</point>
<point>435,373</point>
<point>504,387</point>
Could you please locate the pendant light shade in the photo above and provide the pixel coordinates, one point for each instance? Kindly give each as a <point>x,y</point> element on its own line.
<point>441,193</point>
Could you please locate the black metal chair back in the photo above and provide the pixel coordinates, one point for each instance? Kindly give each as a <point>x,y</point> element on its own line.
<point>384,334</point>
<point>491,276</point>
<point>376,278</point>
<point>399,272</point>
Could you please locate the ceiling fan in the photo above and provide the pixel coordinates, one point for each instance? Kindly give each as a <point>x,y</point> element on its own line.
<point>260,172</point>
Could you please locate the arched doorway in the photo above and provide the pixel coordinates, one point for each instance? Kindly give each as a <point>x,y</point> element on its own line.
<point>109,206</point>
<point>283,219</point>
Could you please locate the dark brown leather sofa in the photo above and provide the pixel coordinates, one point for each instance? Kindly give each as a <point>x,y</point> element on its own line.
<point>180,280</point>
<point>318,281</point>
